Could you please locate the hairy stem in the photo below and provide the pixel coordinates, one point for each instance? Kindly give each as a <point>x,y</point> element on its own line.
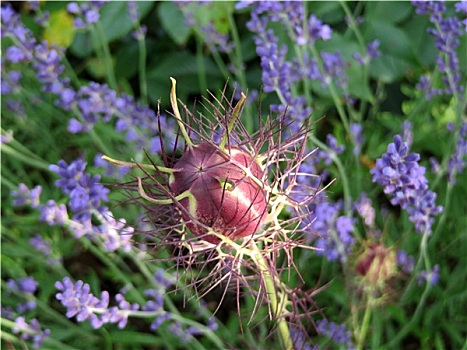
<point>277,306</point>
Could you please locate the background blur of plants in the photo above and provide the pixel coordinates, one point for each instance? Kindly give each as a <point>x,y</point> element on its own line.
<point>82,80</point>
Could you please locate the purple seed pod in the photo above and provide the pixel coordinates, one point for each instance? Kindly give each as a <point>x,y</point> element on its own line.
<point>224,197</point>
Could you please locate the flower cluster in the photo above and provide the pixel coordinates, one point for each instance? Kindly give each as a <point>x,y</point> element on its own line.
<point>372,52</point>
<point>94,102</point>
<point>24,196</point>
<point>43,247</point>
<point>82,303</point>
<point>404,180</point>
<point>338,333</point>
<point>334,231</point>
<point>86,197</point>
<point>358,138</point>
<point>283,75</point>
<point>446,33</point>
<point>431,277</point>
<point>405,261</point>
<point>279,74</point>
<point>212,37</point>
<point>86,13</point>
<point>456,163</point>
<point>85,191</point>
<point>31,331</point>
<point>26,287</point>
<point>364,208</point>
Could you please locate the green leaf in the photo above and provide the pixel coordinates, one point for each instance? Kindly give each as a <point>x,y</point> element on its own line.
<point>423,46</point>
<point>115,23</point>
<point>358,87</point>
<point>173,22</point>
<point>393,40</point>
<point>388,11</point>
<point>115,20</point>
<point>182,66</point>
<point>388,68</point>
<point>127,58</point>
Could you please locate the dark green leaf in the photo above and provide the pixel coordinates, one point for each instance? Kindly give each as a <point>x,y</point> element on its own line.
<point>173,22</point>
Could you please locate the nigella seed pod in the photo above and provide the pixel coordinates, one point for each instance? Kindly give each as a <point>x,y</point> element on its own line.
<point>378,264</point>
<point>226,192</point>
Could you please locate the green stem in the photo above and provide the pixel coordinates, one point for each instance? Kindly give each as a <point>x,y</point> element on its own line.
<point>40,164</point>
<point>276,306</point>
<point>365,323</point>
<point>332,89</point>
<point>143,86</point>
<point>408,326</point>
<point>202,81</point>
<point>239,70</point>
<point>103,43</point>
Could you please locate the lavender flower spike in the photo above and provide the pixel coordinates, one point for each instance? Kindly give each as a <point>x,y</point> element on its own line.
<point>404,180</point>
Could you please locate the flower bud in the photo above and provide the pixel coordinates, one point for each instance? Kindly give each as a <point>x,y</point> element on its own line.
<point>377,264</point>
<point>223,197</point>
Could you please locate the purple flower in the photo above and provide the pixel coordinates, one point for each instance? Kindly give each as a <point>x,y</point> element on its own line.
<point>86,13</point>
<point>299,338</point>
<point>357,137</point>
<point>80,302</point>
<point>114,233</point>
<point>31,331</point>
<point>212,37</point>
<point>338,333</point>
<point>70,174</point>
<point>53,213</point>
<point>160,320</point>
<point>133,12</point>
<point>26,287</point>
<point>334,149</point>
<point>456,163</point>
<point>15,54</point>
<point>334,231</point>
<point>10,82</point>
<point>24,196</point>
<point>431,277</point>
<point>86,193</point>
<point>334,69</point>
<point>48,66</point>
<point>405,261</point>
<point>404,180</point>
<point>23,285</point>
<point>461,6</point>
<point>372,52</point>
<point>318,30</point>
<point>365,209</point>
<point>7,136</point>
<point>407,134</point>
<point>40,244</point>
<point>279,74</point>
<point>446,34</point>
<point>434,165</point>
